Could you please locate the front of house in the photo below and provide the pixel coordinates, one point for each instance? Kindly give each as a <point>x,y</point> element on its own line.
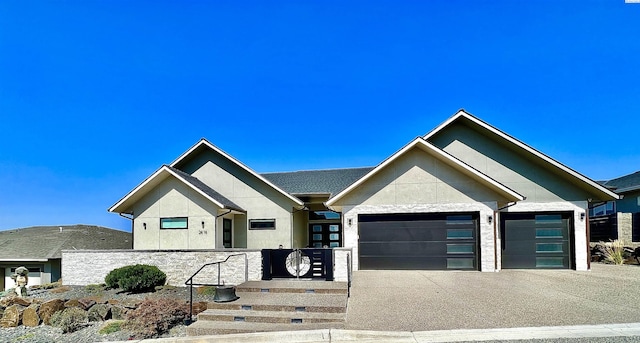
<point>466,196</point>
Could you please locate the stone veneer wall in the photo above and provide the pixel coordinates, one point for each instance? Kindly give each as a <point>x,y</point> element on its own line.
<point>84,267</point>
<point>341,265</point>
<point>625,227</point>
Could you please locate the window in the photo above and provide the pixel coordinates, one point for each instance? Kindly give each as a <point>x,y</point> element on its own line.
<point>603,209</point>
<point>464,219</point>
<point>459,233</point>
<point>324,215</point>
<point>173,223</point>
<point>262,224</point>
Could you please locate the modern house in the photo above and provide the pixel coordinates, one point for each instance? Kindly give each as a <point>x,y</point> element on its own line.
<point>39,249</point>
<point>465,196</point>
<point>618,219</point>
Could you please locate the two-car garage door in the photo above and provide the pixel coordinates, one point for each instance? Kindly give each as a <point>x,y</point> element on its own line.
<point>423,241</point>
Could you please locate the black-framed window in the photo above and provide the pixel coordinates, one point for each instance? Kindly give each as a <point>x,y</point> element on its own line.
<point>262,224</point>
<point>174,223</point>
<point>227,233</point>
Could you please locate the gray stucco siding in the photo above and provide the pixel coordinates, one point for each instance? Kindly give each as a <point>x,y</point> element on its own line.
<point>518,170</point>
<point>418,178</point>
<point>172,198</point>
<point>258,199</point>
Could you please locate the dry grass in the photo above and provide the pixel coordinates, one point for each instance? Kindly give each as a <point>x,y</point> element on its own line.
<point>614,252</point>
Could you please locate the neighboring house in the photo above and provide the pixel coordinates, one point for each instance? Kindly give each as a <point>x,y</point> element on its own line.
<point>465,196</point>
<point>40,249</point>
<point>619,219</point>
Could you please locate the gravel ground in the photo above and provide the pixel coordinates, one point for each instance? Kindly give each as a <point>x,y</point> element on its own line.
<point>46,333</point>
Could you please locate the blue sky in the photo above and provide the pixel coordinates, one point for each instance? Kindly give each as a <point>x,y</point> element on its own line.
<point>96,95</point>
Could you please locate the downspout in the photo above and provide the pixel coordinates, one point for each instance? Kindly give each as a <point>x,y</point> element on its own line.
<point>588,226</point>
<point>495,232</point>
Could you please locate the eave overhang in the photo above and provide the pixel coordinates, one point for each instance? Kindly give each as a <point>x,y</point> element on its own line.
<point>124,204</point>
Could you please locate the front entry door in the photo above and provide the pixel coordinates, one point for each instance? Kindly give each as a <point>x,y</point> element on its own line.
<point>325,235</point>
<point>227,240</point>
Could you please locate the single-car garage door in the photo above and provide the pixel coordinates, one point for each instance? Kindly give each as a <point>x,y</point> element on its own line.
<point>424,241</point>
<point>537,240</point>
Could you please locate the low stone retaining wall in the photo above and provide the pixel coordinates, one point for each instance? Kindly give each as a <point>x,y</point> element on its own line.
<point>84,267</point>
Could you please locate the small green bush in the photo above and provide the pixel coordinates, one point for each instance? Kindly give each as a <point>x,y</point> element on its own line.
<point>111,327</point>
<point>153,317</point>
<point>136,278</point>
<point>70,319</point>
<point>94,288</point>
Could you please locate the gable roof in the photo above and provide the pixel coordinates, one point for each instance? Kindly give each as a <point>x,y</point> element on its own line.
<point>160,175</point>
<point>462,115</point>
<point>310,182</point>
<point>441,155</point>
<point>625,183</point>
<point>41,243</point>
<point>206,144</point>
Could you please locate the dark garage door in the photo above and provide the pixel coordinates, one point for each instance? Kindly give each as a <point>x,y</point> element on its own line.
<point>536,240</point>
<point>418,241</point>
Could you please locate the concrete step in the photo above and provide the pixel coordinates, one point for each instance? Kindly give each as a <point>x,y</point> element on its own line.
<point>294,302</point>
<point>204,328</point>
<point>283,317</point>
<point>294,286</point>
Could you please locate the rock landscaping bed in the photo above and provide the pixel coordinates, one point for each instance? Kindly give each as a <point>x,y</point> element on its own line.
<point>94,313</point>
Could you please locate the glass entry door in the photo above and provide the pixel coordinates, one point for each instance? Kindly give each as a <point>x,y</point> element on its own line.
<point>325,235</point>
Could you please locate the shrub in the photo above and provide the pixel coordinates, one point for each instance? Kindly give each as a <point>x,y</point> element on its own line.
<point>111,327</point>
<point>70,319</point>
<point>155,316</point>
<point>136,278</point>
<point>614,252</point>
<point>94,288</point>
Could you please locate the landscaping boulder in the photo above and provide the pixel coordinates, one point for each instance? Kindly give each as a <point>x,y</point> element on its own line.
<point>14,300</point>
<point>71,303</point>
<point>12,316</point>
<point>86,303</point>
<point>99,312</point>
<point>119,312</point>
<point>50,307</point>
<point>30,316</point>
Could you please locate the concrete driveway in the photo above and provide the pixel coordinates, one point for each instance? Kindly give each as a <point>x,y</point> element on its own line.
<point>445,300</point>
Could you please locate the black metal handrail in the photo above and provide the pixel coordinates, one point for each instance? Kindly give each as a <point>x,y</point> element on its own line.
<point>190,283</point>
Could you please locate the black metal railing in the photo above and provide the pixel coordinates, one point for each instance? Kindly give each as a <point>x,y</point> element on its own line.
<point>190,283</point>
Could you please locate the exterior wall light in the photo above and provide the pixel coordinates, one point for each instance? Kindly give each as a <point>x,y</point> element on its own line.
<point>490,219</point>
<point>203,224</point>
<point>582,215</point>
<point>144,225</point>
<point>349,221</point>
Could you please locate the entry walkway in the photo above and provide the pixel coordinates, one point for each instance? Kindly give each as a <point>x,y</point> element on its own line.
<point>350,336</point>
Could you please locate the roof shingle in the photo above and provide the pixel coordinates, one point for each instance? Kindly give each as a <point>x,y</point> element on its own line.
<point>46,242</point>
<point>328,181</point>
